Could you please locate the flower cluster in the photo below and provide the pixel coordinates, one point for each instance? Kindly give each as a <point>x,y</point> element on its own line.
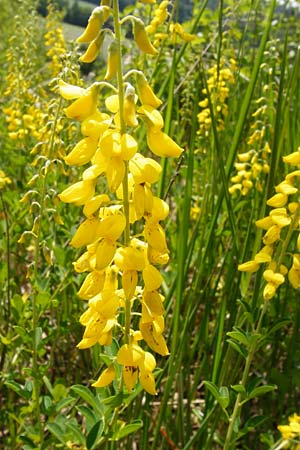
<point>292,430</point>
<point>122,266</point>
<point>282,234</point>
<point>253,164</point>
<point>54,41</point>
<point>218,88</point>
<point>4,179</point>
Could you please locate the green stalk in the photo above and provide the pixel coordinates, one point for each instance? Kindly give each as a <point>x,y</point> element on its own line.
<point>238,405</point>
<point>117,28</point>
<point>34,282</point>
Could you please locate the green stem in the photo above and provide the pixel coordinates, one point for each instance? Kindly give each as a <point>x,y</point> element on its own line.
<point>238,406</point>
<point>35,277</point>
<point>117,26</point>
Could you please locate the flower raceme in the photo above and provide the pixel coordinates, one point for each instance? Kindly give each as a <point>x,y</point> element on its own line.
<point>282,238</point>
<point>122,269</point>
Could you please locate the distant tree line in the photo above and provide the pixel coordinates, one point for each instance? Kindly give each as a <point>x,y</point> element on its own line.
<point>78,14</point>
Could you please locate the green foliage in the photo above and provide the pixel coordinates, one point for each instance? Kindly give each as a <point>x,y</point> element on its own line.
<point>234,364</point>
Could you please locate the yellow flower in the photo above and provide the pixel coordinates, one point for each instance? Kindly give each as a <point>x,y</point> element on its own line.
<point>93,27</point>
<point>86,103</point>
<point>294,272</point>
<point>92,285</point>
<point>82,153</point>
<point>141,37</point>
<point>161,144</point>
<point>78,193</point>
<point>106,377</point>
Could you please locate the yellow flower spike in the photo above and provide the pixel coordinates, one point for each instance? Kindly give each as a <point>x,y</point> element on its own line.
<point>153,339</point>
<point>129,107</point>
<point>145,92</point>
<point>148,2</point>
<point>129,282</point>
<point>92,285</point>
<point>112,61</point>
<point>95,125</point>
<point>106,377</point>
<point>70,91</point>
<point>94,204</point>
<point>155,236</point>
<point>86,233</point>
<point>294,272</point>
<point>141,37</point>
<point>82,153</point>
<point>104,253</point>
<point>152,278</point>
<point>161,144</point>
<point>272,235</point>
<point>144,170</point>
<point>84,106</point>
<point>153,117</point>
<point>94,25</point>
<point>78,193</point>
<point>278,200</point>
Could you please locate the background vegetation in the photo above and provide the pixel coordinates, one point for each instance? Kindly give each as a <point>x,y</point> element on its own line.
<point>233,373</point>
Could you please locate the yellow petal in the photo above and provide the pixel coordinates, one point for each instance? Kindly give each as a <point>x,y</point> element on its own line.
<point>147,381</point>
<point>93,27</point>
<point>106,377</point>
<point>152,278</point>
<point>130,355</point>
<point>155,341</point>
<point>92,285</point>
<point>161,144</point>
<point>86,233</point>
<point>82,153</point>
<point>78,193</point>
<point>104,253</point>
<point>70,91</point>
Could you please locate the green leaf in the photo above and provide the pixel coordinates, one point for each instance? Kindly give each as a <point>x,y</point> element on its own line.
<point>59,392</point>
<point>48,384</point>
<point>239,336</point>
<point>18,388</point>
<point>114,401</point>
<point>212,389</point>
<point>56,431</point>
<point>127,429</point>
<point>278,325</point>
<point>64,403</point>
<point>89,415</point>
<point>95,433</point>
<point>261,390</point>
<point>86,394</point>
<point>224,396</point>
<point>239,388</point>
<point>76,432</point>
<point>237,347</point>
